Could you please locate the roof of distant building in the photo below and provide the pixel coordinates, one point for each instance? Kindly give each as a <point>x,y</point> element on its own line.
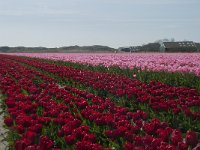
<point>179,44</point>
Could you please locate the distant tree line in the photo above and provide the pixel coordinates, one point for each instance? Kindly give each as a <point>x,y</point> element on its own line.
<point>21,49</point>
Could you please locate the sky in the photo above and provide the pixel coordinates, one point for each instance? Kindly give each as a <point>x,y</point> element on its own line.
<point>115,23</point>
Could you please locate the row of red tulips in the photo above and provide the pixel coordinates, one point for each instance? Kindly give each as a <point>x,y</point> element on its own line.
<point>158,96</point>
<point>24,118</point>
<point>117,122</point>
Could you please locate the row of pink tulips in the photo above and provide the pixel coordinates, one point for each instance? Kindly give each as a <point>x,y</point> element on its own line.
<point>175,62</point>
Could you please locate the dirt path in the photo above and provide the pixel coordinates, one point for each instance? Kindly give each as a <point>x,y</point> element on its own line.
<point>3,144</point>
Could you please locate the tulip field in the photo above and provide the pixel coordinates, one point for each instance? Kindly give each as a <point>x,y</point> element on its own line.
<point>170,62</point>
<point>101,101</point>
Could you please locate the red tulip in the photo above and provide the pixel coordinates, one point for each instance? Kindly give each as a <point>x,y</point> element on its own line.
<point>129,146</point>
<point>31,136</point>
<point>147,140</point>
<point>138,140</point>
<point>8,121</point>
<point>22,144</point>
<point>149,128</point>
<point>60,133</point>
<point>128,136</point>
<point>20,129</point>
<point>46,143</point>
<point>90,138</point>
<point>183,146</point>
<point>176,137</point>
<point>70,139</point>
<point>191,138</point>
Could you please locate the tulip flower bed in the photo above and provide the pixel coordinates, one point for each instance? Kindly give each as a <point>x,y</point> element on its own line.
<point>174,62</point>
<point>43,115</point>
<point>173,78</point>
<point>179,105</point>
<point>27,119</point>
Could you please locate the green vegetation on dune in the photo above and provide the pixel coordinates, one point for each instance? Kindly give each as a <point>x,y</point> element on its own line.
<point>69,49</point>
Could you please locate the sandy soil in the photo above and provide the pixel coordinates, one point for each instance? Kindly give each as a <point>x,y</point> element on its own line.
<point>3,144</point>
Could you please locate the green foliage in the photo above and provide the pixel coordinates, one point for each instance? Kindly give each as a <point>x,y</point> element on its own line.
<point>21,49</point>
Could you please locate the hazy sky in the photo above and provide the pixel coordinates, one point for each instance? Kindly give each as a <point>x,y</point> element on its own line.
<point>55,23</point>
